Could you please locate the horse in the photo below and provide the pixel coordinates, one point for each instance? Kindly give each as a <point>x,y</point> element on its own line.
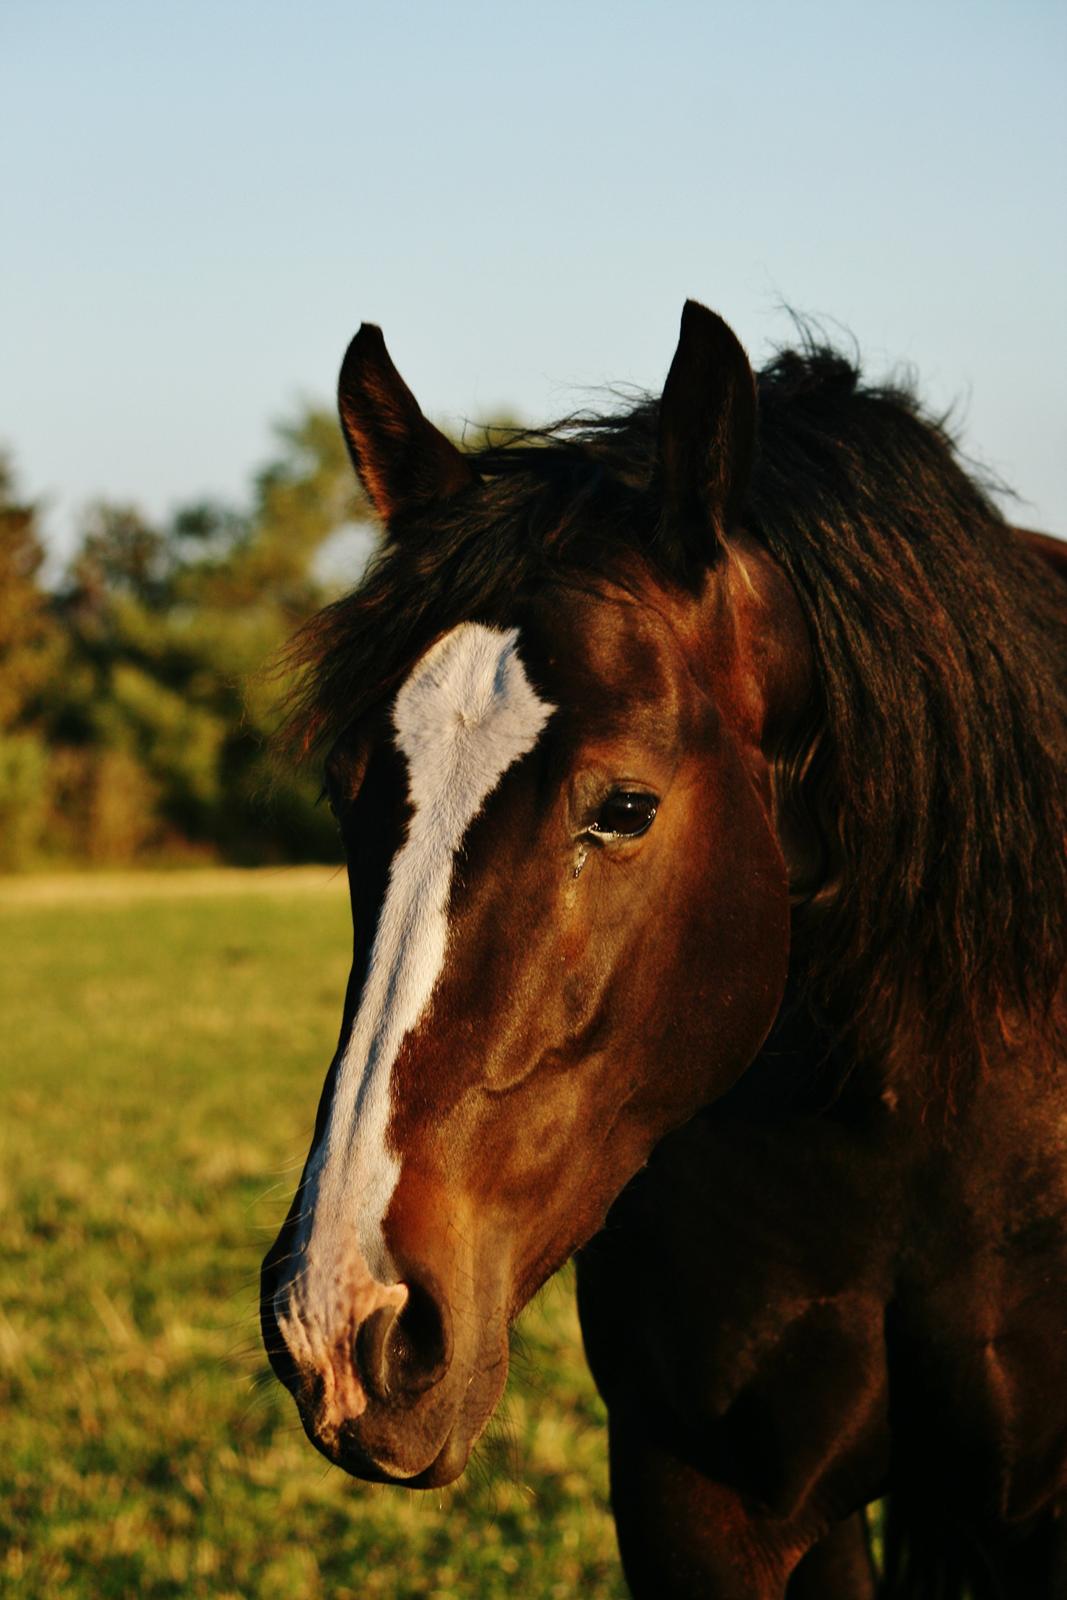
<point>699,768</point>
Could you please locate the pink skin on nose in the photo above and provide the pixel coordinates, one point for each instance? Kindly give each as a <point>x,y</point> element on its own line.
<point>317,1346</point>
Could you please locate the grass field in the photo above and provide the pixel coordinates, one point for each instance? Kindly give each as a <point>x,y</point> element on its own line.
<point>165,1038</point>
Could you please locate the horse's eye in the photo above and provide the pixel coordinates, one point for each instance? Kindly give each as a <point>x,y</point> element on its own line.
<point>625,815</point>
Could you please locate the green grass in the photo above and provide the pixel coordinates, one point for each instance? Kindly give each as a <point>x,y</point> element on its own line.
<point>164,1043</point>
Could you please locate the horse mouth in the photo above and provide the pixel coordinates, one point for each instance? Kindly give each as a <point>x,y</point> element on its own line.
<point>349,1454</point>
<point>393,1449</point>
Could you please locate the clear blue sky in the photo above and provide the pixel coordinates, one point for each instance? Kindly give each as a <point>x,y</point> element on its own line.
<point>202,201</point>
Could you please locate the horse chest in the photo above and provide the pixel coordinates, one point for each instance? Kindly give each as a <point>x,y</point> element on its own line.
<point>800,1335</point>
<point>976,1333</point>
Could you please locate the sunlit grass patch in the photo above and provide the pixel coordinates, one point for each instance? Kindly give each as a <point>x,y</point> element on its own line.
<point>164,1050</point>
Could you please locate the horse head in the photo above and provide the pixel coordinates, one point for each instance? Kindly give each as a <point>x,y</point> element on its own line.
<point>570,899</point>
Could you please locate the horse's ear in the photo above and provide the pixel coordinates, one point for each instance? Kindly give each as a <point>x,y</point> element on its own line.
<point>707,427</point>
<point>403,461</point>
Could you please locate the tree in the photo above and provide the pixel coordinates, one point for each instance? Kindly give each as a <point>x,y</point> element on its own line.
<point>30,653</point>
<point>142,691</point>
<point>171,631</point>
<point>29,638</point>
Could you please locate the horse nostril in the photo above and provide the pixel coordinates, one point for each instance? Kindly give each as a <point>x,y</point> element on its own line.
<point>405,1353</point>
<point>421,1344</point>
<point>372,1350</point>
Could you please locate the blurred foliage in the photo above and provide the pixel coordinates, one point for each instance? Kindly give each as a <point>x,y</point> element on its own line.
<point>30,640</point>
<point>23,783</point>
<point>137,700</point>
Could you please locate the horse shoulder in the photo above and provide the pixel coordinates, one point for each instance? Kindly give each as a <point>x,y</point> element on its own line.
<point>745,1274</point>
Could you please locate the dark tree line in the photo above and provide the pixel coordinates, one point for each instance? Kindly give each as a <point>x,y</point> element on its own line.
<point>137,703</point>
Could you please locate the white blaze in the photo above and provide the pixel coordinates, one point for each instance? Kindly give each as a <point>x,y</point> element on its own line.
<point>464,715</point>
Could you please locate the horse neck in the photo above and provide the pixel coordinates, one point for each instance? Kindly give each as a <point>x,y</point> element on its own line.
<point>808,1067</point>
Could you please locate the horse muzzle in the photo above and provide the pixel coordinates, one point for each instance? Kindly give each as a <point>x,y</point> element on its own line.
<point>381,1388</point>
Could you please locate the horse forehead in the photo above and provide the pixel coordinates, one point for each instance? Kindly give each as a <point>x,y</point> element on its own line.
<point>619,647</point>
<point>465,713</point>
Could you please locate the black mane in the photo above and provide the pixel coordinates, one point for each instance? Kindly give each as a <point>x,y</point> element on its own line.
<point>932,764</point>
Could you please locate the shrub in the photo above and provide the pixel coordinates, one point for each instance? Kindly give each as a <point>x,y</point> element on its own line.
<point>103,806</point>
<point>23,798</point>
